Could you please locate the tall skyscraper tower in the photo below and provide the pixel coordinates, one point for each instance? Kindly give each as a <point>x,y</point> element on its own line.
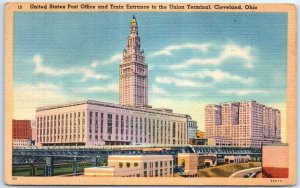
<point>133,71</point>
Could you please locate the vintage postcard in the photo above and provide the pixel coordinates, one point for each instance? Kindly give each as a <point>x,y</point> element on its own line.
<point>150,94</point>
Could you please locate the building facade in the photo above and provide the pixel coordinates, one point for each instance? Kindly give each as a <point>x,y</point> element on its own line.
<point>192,128</point>
<point>92,123</point>
<point>242,124</point>
<point>33,130</point>
<point>133,71</point>
<point>134,166</point>
<point>21,129</point>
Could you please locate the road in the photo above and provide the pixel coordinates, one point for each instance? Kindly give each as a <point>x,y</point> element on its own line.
<point>241,173</point>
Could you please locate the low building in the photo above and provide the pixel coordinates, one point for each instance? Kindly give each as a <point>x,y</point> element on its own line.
<point>207,160</point>
<point>198,141</point>
<point>134,166</point>
<point>275,161</point>
<point>21,133</point>
<point>218,141</point>
<point>189,163</point>
<point>237,159</point>
<point>21,129</point>
<point>21,142</point>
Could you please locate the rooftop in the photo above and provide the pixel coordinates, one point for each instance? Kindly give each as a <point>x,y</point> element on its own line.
<point>92,102</point>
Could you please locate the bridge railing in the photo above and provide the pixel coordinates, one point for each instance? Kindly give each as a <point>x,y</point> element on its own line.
<point>98,147</point>
<point>115,147</point>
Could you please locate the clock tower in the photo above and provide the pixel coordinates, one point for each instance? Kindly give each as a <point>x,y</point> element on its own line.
<point>133,71</point>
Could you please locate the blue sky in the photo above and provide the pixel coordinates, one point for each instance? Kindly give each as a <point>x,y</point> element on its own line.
<point>193,58</point>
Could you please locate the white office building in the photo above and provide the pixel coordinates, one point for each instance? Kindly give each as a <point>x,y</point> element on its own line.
<point>92,123</point>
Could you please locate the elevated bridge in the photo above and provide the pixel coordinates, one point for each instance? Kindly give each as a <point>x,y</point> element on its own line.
<point>48,158</point>
<point>36,154</point>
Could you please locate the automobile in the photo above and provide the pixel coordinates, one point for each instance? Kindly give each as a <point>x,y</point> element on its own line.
<point>248,175</point>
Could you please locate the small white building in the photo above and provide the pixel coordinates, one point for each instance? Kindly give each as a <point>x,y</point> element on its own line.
<point>134,166</point>
<point>21,142</point>
<point>237,159</point>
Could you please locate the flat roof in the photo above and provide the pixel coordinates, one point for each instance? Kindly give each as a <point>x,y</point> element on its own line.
<point>246,101</point>
<point>101,167</point>
<point>138,155</point>
<point>274,144</point>
<point>106,104</point>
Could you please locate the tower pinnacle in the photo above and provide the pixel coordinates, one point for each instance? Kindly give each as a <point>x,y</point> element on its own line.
<point>133,71</point>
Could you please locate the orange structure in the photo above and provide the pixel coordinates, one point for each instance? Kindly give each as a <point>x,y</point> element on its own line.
<point>21,129</point>
<point>189,162</point>
<point>200,134</point>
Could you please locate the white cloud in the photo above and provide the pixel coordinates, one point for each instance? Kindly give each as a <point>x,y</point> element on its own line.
<point>113,59</point>
<point>179,82</point>
<point>169,49</point>
<point>110,88</point>
<point>217,75</point>
<point>94,63</point>
<point>90,74</point>
<point>242,92</point>
<point>228,51</point>
<point>85,72</point>
<point>158,90</point>
<point>27,97</point>
<point>116,58</point>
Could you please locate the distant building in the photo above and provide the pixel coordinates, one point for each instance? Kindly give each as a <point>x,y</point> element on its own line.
<point>134,166</point>
<point>198,141</point>
<point>219,141</point>
<point>200,134</point>
<point>33,130</point>
<point>21,129</point>
<point>192,128</point>
<point>275,161</point>
<point>242,124</point>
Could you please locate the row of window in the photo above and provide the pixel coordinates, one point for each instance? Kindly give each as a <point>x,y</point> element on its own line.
<point>127,164</point>
<point>157,164</point>
<point>122,123</point>
<point>61,116</point>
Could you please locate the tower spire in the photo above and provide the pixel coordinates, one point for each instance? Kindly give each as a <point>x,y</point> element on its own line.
<point>133,71</point>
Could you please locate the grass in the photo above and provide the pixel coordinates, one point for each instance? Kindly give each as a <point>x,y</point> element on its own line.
<point>226,170</point>
<point>26,171</point>
<point>57,170</point>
